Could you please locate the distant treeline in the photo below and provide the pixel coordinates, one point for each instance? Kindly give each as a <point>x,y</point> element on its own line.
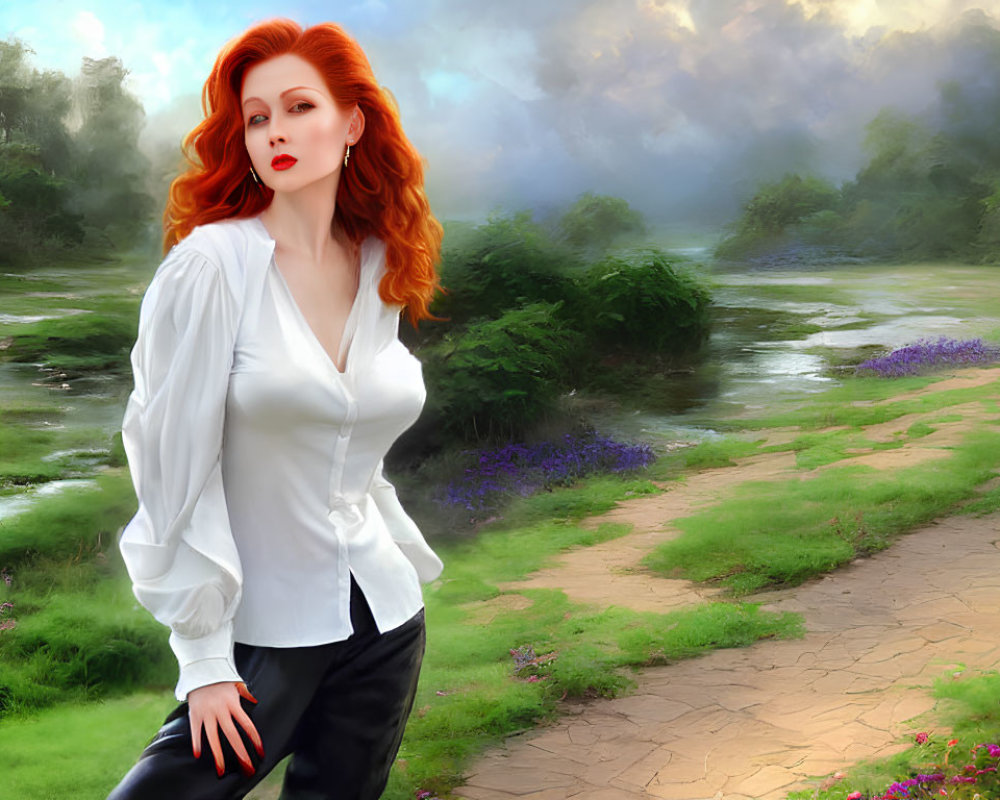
<point>930,190</point>
<point>71,173</point>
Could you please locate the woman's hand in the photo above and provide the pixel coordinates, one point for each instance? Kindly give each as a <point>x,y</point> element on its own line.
<point>217,706</point>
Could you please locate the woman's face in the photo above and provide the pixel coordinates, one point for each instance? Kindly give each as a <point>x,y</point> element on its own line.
<point>294,130</point>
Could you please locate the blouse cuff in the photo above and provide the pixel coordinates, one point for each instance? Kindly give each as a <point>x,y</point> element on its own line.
<point>207,659</point>
<point>202,673</point>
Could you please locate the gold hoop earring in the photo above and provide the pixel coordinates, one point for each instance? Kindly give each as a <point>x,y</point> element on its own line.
<point>253,174</point>
<point>347,155</point>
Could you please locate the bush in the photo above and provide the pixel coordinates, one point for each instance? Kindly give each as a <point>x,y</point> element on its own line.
<point>499,377</point>
<point>643,303</point>
<point>597,221</point>
<point>506,263</point>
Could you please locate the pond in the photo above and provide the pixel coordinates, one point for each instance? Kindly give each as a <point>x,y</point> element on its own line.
<point>780,335</point>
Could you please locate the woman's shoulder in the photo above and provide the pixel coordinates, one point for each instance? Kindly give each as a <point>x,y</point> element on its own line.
<point>222,239</point>
<point>234,247</point>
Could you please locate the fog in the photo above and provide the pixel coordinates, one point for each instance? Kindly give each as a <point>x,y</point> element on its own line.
<point>682,108</point>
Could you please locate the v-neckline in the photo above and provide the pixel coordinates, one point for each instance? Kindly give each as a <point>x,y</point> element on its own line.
<point>347,334</point>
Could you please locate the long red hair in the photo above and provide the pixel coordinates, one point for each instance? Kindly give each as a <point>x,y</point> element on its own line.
<point>381,193</point>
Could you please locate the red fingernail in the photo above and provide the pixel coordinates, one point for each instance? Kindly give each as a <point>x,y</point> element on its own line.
<point>220,770</point>
<point>247,769</point>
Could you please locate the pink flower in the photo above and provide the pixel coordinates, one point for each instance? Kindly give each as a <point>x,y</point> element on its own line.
<point>952,742</point>
<point>853,796</point>
<point>921,738</point>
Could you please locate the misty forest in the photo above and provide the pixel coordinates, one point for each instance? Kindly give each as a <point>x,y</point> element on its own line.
<point>580,355</point>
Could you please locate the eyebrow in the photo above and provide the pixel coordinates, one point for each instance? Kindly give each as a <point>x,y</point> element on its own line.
<point>287,91</point>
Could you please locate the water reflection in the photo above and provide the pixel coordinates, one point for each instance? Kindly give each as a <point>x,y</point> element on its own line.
<point>12,505</point>
<point>891,334</point>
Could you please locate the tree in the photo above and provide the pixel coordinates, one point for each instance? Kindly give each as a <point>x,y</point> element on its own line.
<point>776,206</point>
<point>111,170</point>
<point>596,221</point>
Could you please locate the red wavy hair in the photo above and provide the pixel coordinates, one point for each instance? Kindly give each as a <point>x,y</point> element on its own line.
<point>381,193</point>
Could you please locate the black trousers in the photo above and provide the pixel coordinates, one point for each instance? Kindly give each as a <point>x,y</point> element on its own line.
<point>338,709</point>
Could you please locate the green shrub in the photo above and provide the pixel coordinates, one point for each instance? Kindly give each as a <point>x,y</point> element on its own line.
<point>641,302</point>
<point>506,263</point>
<point>499,377</point>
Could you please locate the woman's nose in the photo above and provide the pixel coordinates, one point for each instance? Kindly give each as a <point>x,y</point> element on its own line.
<point>276,132</point>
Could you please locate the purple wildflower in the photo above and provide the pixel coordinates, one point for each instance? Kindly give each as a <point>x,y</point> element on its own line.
<point>521,469</point>
<point>925,354</point>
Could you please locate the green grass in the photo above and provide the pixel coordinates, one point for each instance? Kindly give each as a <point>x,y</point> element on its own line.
<point>29,444</point>
<point>720,452</point>
<point>867,401</point>
<point>782,533</point>
<point>74,523</point>
<point>91,342</point>
<point>985,502</point>
<point>77,750</point>
<point>588,498</point>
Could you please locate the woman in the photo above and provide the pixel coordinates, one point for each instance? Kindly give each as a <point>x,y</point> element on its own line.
<point>269,383</point>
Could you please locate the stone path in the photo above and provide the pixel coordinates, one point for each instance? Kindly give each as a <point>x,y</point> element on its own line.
<point>755,723</point>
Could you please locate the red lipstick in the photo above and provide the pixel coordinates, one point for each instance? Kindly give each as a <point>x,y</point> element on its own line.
<point>283,162</point>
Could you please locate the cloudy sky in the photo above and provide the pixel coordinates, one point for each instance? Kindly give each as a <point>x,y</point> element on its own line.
<point>680,106</point>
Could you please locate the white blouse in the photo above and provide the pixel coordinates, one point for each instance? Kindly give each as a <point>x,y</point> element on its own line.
<point>258,464</point>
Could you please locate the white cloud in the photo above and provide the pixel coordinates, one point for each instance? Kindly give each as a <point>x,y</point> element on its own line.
<point>88,31</point>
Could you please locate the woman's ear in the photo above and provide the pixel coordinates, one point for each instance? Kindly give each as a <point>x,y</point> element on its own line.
<point>357,125</point>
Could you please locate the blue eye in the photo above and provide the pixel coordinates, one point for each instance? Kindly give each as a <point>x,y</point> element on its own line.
<point>255,117</point>
<point>303,106</point>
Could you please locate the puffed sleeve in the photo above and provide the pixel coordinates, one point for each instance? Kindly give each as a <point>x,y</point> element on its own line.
<point>179,548</point>
<point>404,530</point>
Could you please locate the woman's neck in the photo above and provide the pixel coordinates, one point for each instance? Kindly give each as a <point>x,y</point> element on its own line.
<point>302,222</point>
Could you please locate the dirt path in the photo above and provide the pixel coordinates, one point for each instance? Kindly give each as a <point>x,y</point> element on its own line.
<point>753,724</point>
